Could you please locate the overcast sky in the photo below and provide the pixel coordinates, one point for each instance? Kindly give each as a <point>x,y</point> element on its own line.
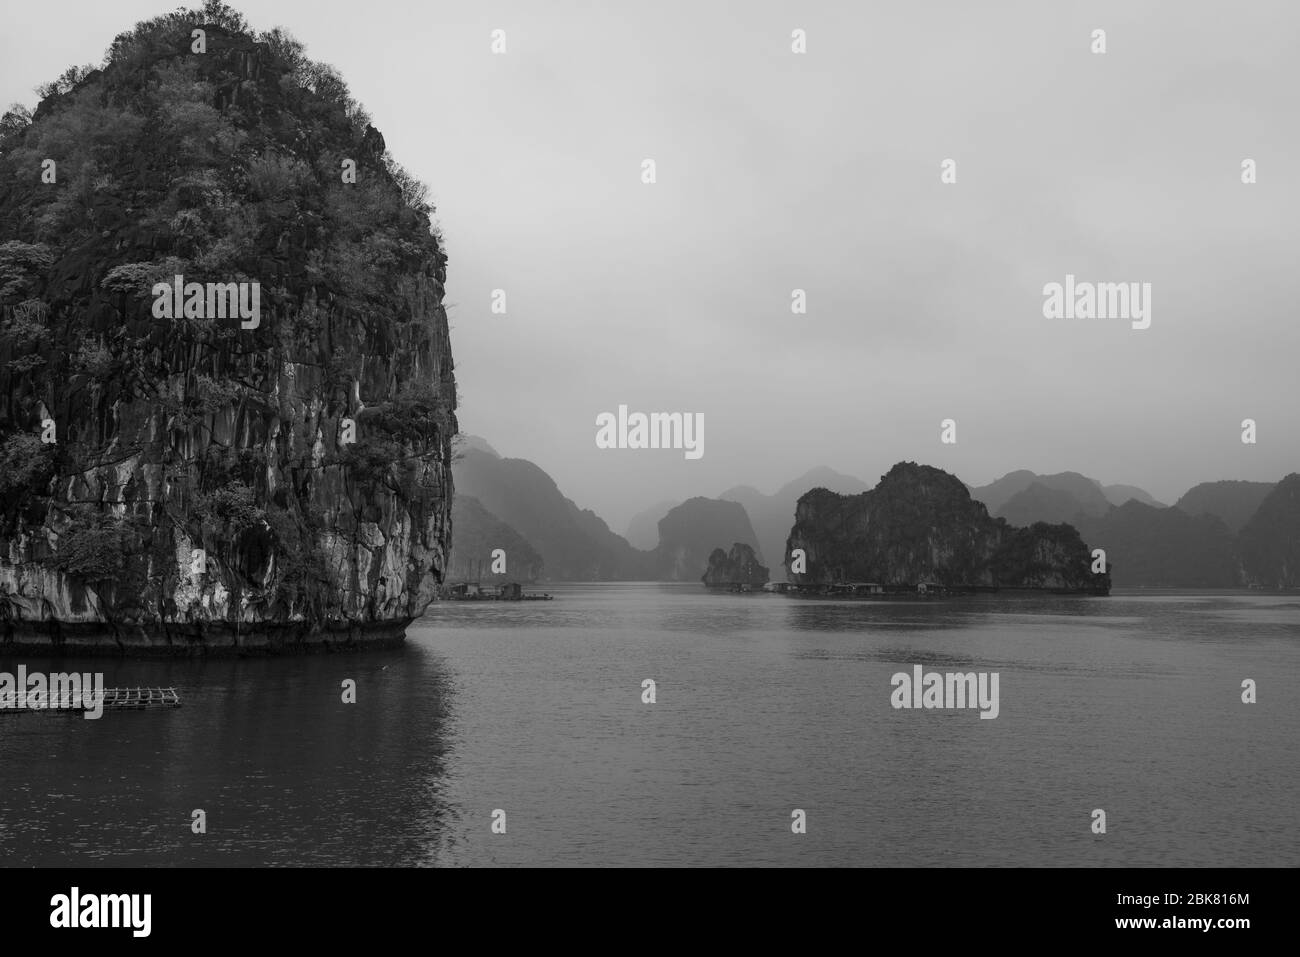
<point>821,171</point>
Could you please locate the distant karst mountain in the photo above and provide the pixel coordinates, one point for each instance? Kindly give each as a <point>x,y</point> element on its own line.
<point>1193,544</point>
<point>1120,494</point>
<point>1023,497</point>
<point>1233,502</point>
<point>643,528</point>
<point>1146,544</point>
<point>1042,503</point>
<point>515,496</point>
<point>574,544</point>
<point>771,515</point>
<point>920,524</point>
<point>1164,547</point>
<point>1270,541</point>
<point>476,534</point>
<point>689,533</point>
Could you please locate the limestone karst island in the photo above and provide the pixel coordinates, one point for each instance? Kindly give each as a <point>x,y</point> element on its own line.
<point>226,390</point>
<point>227,404</point>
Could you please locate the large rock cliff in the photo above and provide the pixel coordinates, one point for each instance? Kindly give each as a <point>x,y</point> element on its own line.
<point>203,483</point>
<point>921,525</point>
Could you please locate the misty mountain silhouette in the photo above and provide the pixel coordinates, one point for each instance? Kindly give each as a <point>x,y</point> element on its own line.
<point>1091,497</point>
<point>514,497</point>
<point>1147,544</point>
<point>1233,502</point>
<point>643,528</point>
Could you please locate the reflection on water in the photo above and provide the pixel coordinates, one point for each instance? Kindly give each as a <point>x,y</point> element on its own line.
<point>764,704</point>
<point>285,772</point>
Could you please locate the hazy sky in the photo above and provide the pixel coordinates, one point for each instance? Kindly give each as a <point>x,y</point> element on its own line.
<point>821,171</point>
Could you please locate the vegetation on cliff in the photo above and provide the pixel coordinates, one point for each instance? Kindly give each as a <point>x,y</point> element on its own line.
<point>307,456</point>
<point>919,524</point>
<point>740,566</point>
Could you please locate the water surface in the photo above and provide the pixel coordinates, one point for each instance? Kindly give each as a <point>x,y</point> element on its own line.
<point>764,704</point>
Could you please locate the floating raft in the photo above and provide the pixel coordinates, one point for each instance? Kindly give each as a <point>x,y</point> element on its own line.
<point>117,699</point>
<point>137,699</point>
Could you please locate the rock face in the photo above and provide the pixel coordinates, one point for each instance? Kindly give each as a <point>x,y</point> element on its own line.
<point>740,566</point>
<point>199,484</point>
<point>1270,542</point>
<point>921,525</point>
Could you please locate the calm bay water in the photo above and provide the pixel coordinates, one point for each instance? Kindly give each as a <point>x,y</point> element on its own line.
<point>765,704</point>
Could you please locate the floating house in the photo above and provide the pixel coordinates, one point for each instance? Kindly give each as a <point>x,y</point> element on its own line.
<point>868,588</point>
